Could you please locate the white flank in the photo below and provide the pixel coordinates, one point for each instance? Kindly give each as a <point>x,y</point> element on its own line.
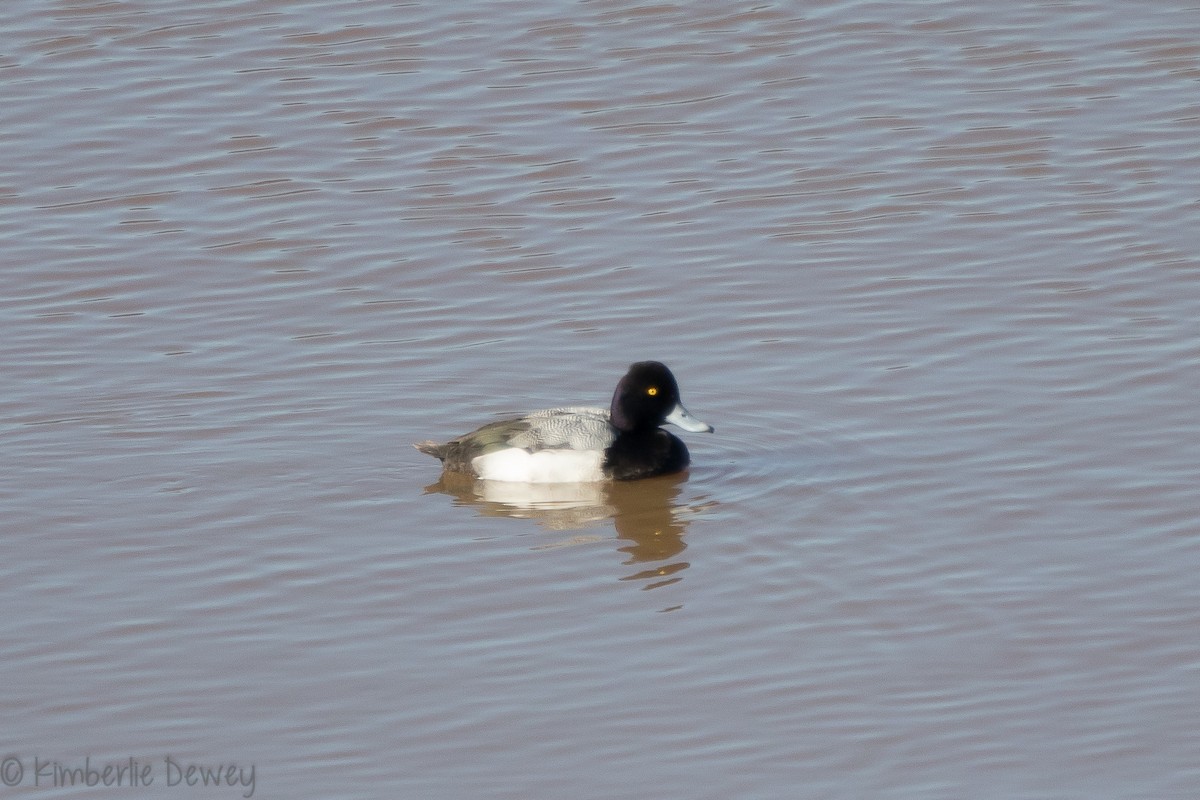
<point>545,466</point>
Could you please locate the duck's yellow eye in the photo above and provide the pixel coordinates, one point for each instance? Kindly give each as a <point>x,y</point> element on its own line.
<point>652,391</point>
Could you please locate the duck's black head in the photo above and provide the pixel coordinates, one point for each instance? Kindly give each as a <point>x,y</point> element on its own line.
<point>646,397</point>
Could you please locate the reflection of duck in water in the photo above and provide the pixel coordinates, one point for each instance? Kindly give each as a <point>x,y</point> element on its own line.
<point>647,516</point>
<point>581,444</point>
<point>651,527</point>
<point>555,506</point>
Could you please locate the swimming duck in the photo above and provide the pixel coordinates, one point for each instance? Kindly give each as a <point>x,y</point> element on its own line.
<point>580,443</point>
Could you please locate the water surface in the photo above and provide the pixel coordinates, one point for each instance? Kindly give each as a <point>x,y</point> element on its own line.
<point>929,270</point>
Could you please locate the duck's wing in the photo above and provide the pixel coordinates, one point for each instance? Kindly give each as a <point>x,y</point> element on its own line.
<point>457,454</point>
<point>570,428</point>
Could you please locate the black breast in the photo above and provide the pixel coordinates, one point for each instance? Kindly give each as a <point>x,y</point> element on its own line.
<point>642,454</point>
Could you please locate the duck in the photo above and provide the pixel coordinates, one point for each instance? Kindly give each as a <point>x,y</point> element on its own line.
<point>582,444</point>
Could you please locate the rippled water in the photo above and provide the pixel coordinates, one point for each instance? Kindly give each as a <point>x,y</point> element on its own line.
<point>929,269</point>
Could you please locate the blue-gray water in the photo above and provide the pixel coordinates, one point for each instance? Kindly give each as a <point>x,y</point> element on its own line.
<point>929,269</point>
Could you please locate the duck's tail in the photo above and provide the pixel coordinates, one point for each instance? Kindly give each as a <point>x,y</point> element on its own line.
<point>432,448</point>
